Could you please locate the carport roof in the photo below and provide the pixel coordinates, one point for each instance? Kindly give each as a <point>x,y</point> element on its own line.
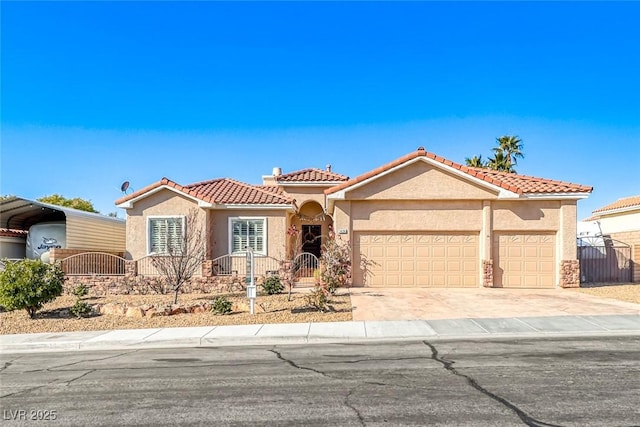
<point>18,213</point>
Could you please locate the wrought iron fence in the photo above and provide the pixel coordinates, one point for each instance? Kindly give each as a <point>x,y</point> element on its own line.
<point>231,265</point>
<point>607,262</point>
<point>146,266</point>
<point>93,263</point>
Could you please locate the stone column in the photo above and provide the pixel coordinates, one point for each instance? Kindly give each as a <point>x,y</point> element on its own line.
<point>487,273</point>
<point>207,268</point>
<point>570,273</point>
<point>130,268</point>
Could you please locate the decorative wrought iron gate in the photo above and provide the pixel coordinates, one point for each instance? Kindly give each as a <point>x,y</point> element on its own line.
<point>604,260</point>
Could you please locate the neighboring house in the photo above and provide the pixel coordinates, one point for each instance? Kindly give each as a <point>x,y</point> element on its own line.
<point>423,220</point>
<point>619,221</point>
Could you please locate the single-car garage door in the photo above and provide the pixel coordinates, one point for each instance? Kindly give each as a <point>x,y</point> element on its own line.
<point>524,260</point>
<point>418,259</point>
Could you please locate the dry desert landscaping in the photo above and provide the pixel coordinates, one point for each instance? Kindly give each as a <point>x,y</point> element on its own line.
<point>54,316</point>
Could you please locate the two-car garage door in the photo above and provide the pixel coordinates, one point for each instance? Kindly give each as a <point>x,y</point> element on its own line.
<point>412,259</point>
<point>418,259</point>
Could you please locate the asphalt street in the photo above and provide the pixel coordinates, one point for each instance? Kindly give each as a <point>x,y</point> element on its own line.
<point>507,382</point>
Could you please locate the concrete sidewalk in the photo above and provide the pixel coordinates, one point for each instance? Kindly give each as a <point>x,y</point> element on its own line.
<point>336,332</point>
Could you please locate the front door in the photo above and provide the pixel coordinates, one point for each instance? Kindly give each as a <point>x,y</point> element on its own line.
<point>312,239</point>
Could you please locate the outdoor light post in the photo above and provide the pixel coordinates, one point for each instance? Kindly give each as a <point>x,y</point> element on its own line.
<point>251,285</point>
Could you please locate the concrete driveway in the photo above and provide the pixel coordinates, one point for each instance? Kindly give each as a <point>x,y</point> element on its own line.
<point>430,303</point>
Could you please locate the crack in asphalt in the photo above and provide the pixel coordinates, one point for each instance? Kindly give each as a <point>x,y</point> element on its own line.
<point>24,391</point>
<point>9,363</point>
<point>448,365</point>
<point>353,408</point>
<point>66,383</point>
<point>54,368</point>
<point>295,365</point>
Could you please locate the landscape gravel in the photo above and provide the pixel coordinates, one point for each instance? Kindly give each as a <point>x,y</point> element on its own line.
<point>628,293</point>
<point>269,309</point>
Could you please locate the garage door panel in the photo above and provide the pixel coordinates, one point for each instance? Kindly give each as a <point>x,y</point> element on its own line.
<point>524,260</point>
<point>420,259</point>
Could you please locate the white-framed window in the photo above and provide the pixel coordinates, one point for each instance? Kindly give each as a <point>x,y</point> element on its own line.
<point>165,234</point>
<point>248,232</point>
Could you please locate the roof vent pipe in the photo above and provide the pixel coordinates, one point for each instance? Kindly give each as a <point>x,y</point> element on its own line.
<point>277,171</point>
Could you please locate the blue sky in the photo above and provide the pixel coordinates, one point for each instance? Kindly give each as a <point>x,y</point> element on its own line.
<point>96,93</point>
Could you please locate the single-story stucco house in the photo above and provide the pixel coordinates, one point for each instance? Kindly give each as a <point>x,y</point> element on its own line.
<point>422,219</point>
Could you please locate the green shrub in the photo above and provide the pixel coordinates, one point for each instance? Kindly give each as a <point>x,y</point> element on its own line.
<point>221,305</point>
<point>80,309</point>
<point>80,291</point>
<point>318,297</point>
<point>29,284</point>
<point>272,285</point>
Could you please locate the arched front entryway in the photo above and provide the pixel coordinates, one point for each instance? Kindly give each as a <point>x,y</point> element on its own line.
<point>312,226</point>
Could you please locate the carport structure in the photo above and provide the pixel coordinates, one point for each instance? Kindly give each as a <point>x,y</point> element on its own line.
<point>85,231</point>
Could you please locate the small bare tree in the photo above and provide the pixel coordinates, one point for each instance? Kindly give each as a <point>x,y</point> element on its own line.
<point>288,268</point>
<point>182,258</point>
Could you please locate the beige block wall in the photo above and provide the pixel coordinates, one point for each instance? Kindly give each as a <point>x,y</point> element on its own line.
<point>164,202</point>
<point>424,182</point>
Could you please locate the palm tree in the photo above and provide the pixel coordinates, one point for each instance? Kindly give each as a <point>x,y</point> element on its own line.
<point>511,149</point>
<point>475,162</point>
<point>499,162</point>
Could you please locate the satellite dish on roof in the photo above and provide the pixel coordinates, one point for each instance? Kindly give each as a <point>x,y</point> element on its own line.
<point>124,187</point>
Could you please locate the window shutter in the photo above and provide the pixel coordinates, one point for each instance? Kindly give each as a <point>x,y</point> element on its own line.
<point>165,233</point>
<point>248,233</point>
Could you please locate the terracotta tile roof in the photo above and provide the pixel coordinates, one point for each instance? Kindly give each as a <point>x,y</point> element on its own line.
<point>626,202</point>
<point>222,191</point>
<point>311,175</point>
<point>226,191</point>
<point>9,232</point>
<point>519,184</point>
<point>534,185</point>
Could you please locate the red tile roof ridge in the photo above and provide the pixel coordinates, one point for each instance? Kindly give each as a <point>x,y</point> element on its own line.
<point>163,181</point>
<point>337,176</point>
<point>529,177</point>
<point>421,152</point>
<point>10,232</point>
<point>205,182</point>
<point>622,203</point>
<point>284,196</point>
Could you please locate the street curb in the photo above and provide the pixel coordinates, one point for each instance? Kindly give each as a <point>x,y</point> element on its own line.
<point>71,346</point>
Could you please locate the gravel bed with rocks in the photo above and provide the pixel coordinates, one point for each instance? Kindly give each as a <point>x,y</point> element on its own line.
<point>55,317</point>
<point>621,292</point>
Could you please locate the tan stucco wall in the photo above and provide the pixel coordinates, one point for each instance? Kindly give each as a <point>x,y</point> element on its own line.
<point>532,215</point>
<point>276,229</point>
<point>164,202</point>
<point>416,215</point>
<point>421,181</point>
<point>304,194</point>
